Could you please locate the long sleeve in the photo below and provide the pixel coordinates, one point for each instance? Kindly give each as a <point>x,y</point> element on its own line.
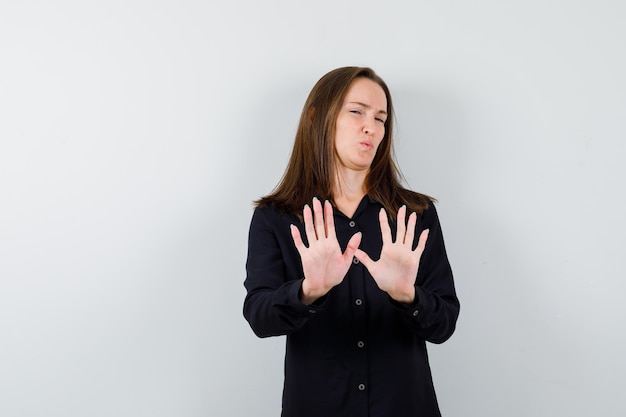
<point>355,352</point>
<point>436,308</point>
<point>274,277</point>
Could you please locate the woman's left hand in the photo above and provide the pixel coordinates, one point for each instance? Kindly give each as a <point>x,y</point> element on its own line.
<point>396,270</point>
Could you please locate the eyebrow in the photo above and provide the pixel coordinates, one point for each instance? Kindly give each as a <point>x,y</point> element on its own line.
<point>367,106</point>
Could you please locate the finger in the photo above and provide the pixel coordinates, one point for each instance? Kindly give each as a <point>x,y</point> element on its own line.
<point>308,224</point>
<point>353,245</point>
<point>364,259</point>
<point>297,239</point>
<point>318,218</point>
<point>330,220</point>
<point>410,230</point>
<point>421,245</point>
<point>385,230</point>
<point>401,225</point>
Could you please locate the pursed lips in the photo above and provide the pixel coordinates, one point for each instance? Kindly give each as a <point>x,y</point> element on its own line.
<point>367,144</point>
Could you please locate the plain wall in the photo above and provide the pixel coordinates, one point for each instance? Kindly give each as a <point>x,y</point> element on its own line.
<point>135,134</point>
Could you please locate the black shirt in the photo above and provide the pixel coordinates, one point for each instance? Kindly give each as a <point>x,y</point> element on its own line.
<point>354,352</point>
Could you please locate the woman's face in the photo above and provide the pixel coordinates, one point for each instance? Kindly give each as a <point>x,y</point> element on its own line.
<point>360,125</point>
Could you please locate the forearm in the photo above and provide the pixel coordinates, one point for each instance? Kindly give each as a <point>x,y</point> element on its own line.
<point>435,309</point>
<point>436,316</point>
<point>274,312</point>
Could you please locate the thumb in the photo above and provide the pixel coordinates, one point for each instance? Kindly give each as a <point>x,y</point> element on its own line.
<point>364,258</point>
<point>353,245</point>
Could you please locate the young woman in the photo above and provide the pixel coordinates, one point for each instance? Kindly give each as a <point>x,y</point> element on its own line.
<point>348,264</point>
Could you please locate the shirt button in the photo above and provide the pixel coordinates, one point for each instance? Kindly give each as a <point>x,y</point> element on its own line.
<point>360,343</point>
<point>361,387</point>
<point>355,260</point>
<point>358,301</point>
<point>312,311</point>
<point>415,313</point>
<point>352,223</point>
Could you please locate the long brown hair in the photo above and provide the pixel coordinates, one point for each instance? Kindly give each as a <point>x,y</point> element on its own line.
<point>311,168</point>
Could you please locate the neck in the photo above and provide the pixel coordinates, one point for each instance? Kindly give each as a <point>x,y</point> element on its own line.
<point>348,190</point>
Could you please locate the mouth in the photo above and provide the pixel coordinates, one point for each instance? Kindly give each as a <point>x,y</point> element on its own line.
<point>367,145</point>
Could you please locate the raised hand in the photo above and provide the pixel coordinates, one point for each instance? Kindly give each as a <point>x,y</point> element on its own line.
<point>323,263</point>
<point>396,270</point>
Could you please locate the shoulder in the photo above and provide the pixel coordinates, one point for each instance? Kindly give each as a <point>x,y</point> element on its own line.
<point>416,197</point>
<point>417,202</point>
<point>270,216</point>
<point>429,218</point>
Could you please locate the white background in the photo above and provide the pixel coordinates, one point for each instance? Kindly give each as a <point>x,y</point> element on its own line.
<point>135,134</point>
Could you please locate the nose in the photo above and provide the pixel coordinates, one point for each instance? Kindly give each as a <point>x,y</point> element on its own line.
<point>369,126</point>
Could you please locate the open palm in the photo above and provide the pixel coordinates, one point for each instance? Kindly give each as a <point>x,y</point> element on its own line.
<point>323,263</point>
<point>396,269</point>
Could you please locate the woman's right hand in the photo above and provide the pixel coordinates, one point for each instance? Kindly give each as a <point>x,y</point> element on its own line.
<point>322,261</point>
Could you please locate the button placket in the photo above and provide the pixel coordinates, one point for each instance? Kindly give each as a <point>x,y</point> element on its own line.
<point>358,336</point>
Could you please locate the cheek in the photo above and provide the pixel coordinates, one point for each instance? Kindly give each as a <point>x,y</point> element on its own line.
<point>381,134</point>
<point>379,142</point>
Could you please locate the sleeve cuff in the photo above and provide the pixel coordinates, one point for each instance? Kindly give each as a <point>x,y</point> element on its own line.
<point>412,309</point>
<point>309,310</point>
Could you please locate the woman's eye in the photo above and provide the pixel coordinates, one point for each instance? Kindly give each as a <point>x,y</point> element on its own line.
<point>355,111</point>
<point>380,120</point>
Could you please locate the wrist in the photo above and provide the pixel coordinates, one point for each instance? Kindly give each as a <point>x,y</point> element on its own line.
<point>308,294</point>
<point>406,296</point>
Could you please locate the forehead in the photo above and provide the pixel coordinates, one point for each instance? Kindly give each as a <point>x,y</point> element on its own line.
<point>364,90</point>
